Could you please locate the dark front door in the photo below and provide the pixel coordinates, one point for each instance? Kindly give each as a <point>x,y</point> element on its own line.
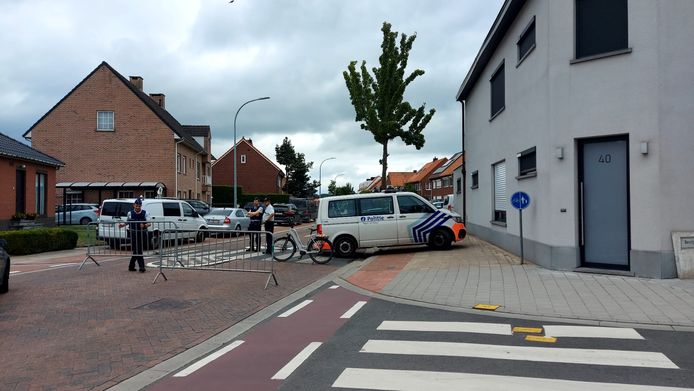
<point>20,191</point>
<point>604,202</point>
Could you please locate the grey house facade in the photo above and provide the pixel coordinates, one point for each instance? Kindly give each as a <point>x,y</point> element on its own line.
<point>587,106</point>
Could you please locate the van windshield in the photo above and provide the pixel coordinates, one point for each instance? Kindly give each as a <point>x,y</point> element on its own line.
<point>115,209</point>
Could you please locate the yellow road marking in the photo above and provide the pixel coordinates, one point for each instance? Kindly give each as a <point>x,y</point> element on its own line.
<point>527,330</point>
<point>487,307</point>
<point>539,338</point>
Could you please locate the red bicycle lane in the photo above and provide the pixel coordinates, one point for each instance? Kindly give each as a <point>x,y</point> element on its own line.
<point>263,357</point>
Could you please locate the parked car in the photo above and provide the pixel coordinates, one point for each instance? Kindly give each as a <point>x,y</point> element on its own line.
<point>385,220</point>
<point>286,214</point>
<point>4,268</point>
<point>307,209</point>
<point>76,213</point>
<point>201,207</point>
<point>165,214</point>
<point>227,219</point>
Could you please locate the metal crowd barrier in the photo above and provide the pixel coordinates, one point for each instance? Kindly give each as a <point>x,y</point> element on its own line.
<point>115,239</point>
<point>165,246</point>
<point>220,250</point>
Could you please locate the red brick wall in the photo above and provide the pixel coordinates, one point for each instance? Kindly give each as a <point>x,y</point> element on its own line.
<point>8,168</point>
<point>257,175</point>
<point>140,149</point>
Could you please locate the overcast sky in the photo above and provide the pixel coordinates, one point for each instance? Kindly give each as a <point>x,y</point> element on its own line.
<point>209,57</point>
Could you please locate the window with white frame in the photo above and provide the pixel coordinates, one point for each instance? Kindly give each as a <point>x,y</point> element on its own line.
<point>104,121</point>
<point>126,194</point>
<point>41,193</point>
<point>428,186</point>
<point>475,179</point>
<point>458,186</point>
<point>243,159</point>
<point>178,163</point>
<point>499,189</point>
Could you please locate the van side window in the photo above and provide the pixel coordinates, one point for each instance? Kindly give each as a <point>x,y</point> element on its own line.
<point>187,210</point>
<point>376,206</point>
<point>409,204</point>
<point>171,209</point>
<point>342,208</point>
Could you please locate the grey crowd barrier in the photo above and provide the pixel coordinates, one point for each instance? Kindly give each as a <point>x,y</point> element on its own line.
<point>163,245</point>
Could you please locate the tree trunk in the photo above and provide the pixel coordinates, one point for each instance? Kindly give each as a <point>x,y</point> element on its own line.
<point>384,169</point>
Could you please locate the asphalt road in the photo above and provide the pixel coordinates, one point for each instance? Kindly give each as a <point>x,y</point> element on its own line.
<point>338,339</point>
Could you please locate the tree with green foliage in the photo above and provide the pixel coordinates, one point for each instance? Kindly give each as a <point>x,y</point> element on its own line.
<point>298,182</point>
<point>333,189</point>
<point>378,100</point>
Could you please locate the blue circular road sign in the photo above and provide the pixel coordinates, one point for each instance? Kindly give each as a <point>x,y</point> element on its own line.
<point>520,200</point>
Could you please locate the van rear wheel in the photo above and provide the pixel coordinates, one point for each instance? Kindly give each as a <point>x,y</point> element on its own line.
<point>344,247</point>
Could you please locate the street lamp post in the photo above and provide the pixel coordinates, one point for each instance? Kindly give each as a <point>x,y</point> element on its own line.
<point>237,114</point>
<point>320,177</point>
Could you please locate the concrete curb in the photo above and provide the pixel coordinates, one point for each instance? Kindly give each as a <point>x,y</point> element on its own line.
<point>342,281</point>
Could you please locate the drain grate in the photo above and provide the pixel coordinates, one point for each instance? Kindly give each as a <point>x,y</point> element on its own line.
<point>167,305</point>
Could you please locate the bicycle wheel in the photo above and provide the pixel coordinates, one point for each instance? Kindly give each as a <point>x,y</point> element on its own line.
<point>320,250</point>
<point>284,248</point>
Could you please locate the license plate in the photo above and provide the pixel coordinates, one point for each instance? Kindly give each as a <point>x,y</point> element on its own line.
<point>214,222</point>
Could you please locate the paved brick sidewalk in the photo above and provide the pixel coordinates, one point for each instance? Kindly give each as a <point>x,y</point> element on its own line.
<point>475,272</point>
<point>73,330</point>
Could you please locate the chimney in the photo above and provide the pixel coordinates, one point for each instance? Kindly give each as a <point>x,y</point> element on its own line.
<point>250,141</point>
<point>136,81</point>
<point>435,159</point>
<point>159,99</point>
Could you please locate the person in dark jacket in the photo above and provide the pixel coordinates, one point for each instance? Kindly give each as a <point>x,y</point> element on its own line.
<point>137,224</point>
<point>256,215</point>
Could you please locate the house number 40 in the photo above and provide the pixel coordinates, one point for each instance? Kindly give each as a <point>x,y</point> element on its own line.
<point>607,158</point>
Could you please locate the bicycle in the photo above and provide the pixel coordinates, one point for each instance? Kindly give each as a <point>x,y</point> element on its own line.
<point>319,248</point>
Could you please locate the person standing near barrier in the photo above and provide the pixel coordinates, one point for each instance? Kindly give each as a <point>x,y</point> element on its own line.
<point>137,222</point>
<point>256,215</point>
<point>269,224</point>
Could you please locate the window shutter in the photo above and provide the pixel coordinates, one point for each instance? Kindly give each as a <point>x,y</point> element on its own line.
<point>500,199</point>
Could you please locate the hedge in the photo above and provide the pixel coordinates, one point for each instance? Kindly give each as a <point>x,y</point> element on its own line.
<point>38,240</point>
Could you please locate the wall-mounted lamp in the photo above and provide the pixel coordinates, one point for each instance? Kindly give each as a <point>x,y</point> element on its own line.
<point>644,147</point>
<point>23,166</point>
<point>559,152</point>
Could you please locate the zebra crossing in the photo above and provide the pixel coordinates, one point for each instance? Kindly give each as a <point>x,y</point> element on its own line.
<point>592,354</point>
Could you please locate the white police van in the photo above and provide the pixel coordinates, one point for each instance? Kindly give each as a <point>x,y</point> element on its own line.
<point>385,220</point>
<point>163,213</point>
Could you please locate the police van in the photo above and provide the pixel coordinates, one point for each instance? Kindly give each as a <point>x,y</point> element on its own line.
<point>385,220</point>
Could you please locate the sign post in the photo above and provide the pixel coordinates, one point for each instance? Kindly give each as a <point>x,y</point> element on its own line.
<point>520,201</point>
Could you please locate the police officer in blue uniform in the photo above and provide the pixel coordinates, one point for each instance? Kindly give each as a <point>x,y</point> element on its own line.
<point>137,224</point>
<point>256,215</point>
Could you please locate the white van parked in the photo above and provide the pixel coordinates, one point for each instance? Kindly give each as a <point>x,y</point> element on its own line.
<point>164,213</point>
<point>385,220</point>
<point>449,202</point>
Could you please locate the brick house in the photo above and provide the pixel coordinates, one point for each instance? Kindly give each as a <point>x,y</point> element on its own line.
<point>27,181</point>
<point>420,180</point>
<point>129,144</point>
<point>441,180</point>
<point>254,171</point>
